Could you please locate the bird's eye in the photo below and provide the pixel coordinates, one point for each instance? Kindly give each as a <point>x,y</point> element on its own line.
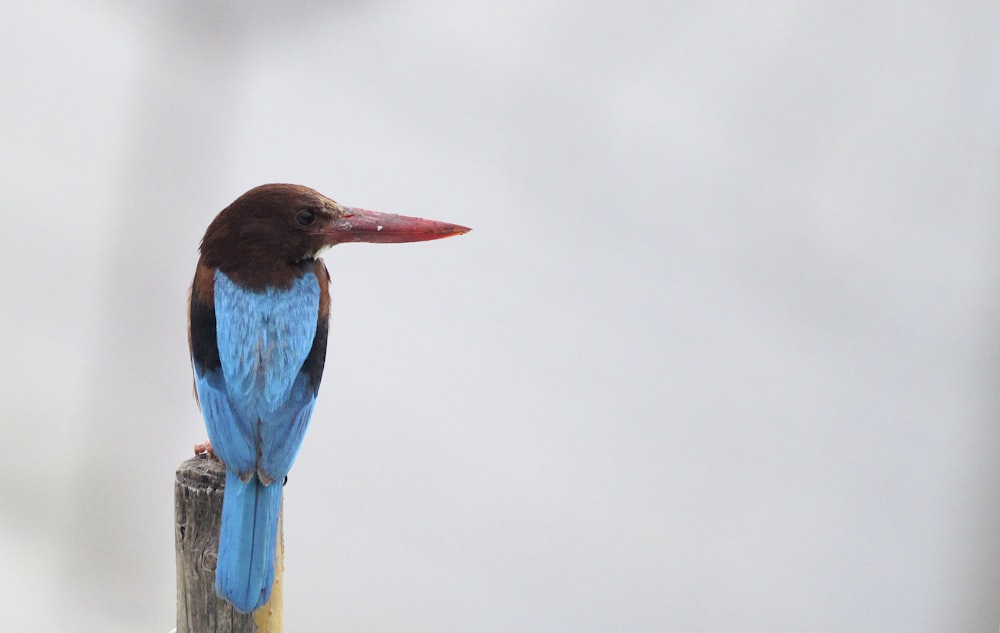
<point>305,217</point>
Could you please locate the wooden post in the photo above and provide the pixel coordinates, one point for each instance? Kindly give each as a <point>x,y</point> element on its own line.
<point>197,514</point>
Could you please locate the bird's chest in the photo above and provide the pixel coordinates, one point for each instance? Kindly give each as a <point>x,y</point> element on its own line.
<point>264,337</point>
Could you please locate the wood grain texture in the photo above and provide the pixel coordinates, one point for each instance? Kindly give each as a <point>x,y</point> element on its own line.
<point>198,489</point>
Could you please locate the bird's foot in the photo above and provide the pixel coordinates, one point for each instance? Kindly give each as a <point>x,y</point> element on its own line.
<point>204,448</point>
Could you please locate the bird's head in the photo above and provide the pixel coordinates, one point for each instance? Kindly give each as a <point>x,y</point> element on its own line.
<point>275,225</point>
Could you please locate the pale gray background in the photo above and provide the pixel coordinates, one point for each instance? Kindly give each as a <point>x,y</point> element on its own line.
<point>721,354</point>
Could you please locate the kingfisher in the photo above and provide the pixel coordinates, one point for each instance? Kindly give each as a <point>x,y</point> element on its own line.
<point>258,324</point>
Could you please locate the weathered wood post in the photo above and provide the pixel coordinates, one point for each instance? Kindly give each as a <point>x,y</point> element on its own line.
<point>197,514</point>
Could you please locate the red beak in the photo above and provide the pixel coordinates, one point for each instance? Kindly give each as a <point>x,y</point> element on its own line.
<point>362,225</point>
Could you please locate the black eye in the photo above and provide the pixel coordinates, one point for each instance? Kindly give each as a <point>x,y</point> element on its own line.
<point>305,217</point>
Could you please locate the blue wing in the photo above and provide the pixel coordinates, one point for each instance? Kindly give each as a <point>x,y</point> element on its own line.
<point>260,405</point>
<point>232,435</point>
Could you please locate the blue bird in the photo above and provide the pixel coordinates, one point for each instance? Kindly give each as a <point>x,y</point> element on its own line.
<point>259,309</point>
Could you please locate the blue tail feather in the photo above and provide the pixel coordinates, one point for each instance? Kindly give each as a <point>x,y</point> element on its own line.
<point>247,542</point>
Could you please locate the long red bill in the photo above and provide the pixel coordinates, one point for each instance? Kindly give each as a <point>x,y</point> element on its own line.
<point>362,225</point>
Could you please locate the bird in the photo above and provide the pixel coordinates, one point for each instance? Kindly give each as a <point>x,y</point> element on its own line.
<point>258,324</point>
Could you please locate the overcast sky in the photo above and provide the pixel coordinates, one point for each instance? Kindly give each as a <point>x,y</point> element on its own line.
<point>720,354</point>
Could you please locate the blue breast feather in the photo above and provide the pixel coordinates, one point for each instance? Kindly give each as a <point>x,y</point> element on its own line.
<point>258,405</point>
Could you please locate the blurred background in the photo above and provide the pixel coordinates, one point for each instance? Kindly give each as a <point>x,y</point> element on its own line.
<point>721,353</point>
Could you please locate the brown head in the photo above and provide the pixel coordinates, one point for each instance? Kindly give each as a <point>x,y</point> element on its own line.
<point>266,235</point>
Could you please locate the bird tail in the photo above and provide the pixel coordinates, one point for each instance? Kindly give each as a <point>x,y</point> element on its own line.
<point>247,542</point>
